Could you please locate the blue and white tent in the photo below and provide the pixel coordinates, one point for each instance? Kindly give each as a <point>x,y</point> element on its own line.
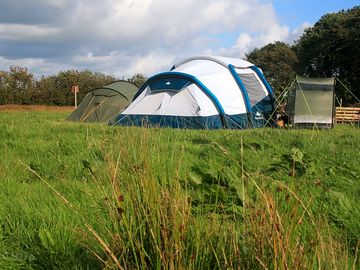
<point>203,93</point>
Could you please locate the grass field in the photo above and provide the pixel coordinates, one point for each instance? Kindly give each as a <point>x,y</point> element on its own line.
<point>89,196</point>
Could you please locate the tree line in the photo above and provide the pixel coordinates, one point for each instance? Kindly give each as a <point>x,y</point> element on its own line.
<point>19,86</point>
<point>331,48</point>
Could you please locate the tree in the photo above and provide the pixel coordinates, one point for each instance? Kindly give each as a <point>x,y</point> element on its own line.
<point>56,89</point>
<point>3,86</point>
<point>16,86</point>
<point>277,60</point>
<point>331,49</point>
<point>137,79</point>
<point>19,86</point>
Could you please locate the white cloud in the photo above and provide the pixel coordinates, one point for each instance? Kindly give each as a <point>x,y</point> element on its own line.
<point>90,58</point>
<point>247,42</point>
<point>57,3</point>
<point>274,33</point>
<point>22,32</point>
<point>37,66</point>
<point>243,42</point>
<point>150,64</point>
<point>124,37</point>
<point>297,32</point>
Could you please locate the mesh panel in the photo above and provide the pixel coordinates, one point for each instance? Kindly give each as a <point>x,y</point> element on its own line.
<point>168,84</point>
<point>317,82</point>
<point>312,86</point>
<point>253,87</point>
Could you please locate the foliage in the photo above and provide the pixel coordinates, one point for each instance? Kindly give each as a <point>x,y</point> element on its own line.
<point>64,80</point>
<point>277,60</point>
<point>138,79</point>
<point>331,49</point>
<point>18,86</point>
<point>78,196</point>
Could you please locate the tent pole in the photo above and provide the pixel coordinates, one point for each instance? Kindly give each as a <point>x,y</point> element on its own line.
<point>279,100</point>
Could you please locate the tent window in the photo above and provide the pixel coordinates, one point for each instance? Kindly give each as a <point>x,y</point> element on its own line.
<point>253,87</point>
<point>168,84</point>
<point>313,86</point>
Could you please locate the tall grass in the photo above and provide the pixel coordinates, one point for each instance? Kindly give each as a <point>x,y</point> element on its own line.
<point>80,196</point>
<point>157,223</point>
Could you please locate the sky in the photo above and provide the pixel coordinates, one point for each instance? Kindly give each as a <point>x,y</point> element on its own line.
<point>126,37</point>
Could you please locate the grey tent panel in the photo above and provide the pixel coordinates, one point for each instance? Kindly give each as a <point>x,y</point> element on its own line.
<point>313,107</point>
<point>311,102</point>
<point>252,86</point>
<point>102,104</point>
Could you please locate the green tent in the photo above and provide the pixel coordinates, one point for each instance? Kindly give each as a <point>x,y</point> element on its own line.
<point>102,104</point>
<point>311,102</point>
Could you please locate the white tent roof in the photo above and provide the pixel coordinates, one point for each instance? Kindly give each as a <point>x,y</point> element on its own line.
<point>225,61</point>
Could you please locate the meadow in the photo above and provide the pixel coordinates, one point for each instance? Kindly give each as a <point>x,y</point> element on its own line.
<point>90,196</point>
